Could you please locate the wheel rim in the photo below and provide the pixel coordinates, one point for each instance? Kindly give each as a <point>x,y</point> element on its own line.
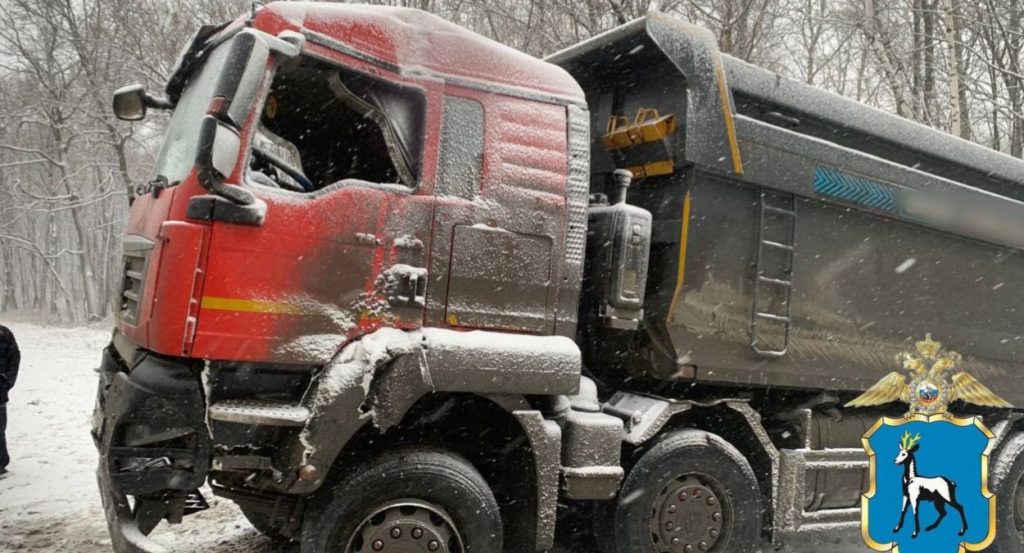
<point>406,526</point>
<point>690,515</point>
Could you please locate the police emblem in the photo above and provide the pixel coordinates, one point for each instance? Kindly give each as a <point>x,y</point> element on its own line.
<point>928,469</point>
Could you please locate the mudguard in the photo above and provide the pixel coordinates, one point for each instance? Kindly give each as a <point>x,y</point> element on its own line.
<point>380,377</point>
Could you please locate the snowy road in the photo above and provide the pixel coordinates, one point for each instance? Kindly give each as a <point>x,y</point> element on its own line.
<point>48,500</point>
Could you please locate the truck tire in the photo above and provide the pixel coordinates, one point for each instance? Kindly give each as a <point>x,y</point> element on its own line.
<point>417,499</point>
<point>260,520</point>
<point>690,488</point>
<point>1007,472</point>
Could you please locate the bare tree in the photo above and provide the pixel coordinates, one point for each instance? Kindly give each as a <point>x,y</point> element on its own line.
<point>960,123</point>
<point>65,163</point>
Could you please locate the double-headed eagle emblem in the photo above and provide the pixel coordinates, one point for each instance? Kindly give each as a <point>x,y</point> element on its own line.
<point>929,392</point>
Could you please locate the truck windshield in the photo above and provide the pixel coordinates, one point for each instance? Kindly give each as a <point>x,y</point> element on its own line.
<point>178,154</point>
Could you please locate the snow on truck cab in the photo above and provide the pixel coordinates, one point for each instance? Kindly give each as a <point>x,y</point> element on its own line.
<point>397,287</point>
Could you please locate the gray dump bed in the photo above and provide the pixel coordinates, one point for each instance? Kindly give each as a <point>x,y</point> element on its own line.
<point>803,239</point>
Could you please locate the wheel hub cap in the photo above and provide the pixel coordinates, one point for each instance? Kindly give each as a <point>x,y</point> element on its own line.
<point>687,517</point>
<point>406,527</point>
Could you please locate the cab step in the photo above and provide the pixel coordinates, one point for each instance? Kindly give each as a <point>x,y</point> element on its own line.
<point>259,412</point>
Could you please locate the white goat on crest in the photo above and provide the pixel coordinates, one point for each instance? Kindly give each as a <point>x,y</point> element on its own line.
<point>937,489</point>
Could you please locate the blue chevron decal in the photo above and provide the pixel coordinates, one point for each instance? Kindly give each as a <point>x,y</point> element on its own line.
<point>848,188</point>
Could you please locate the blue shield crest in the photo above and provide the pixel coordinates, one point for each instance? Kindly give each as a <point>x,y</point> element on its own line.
<point>929,485</point>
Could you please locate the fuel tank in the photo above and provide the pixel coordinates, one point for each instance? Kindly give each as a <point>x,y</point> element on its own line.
<point>618,246</point>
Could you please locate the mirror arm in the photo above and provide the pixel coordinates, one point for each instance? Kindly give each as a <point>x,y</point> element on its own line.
<point>207,176</point>
<point>288,44</point>
<point>156,102</point>
<point>229,204</point>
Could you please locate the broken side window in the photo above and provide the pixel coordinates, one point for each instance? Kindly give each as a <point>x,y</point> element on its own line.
<point>322,125</point>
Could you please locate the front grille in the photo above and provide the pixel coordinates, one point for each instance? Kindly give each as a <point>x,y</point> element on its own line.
<point>136,254</point>
<point>131,290</point>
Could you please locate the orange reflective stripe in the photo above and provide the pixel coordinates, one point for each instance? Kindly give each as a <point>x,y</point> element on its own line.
<point>730,128</point>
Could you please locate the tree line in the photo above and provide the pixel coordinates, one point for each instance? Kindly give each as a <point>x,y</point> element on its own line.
<point>66,164</point>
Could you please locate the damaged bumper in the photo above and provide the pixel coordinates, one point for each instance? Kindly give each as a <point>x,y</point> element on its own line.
<point>125,535</point>
<point>150,429</point>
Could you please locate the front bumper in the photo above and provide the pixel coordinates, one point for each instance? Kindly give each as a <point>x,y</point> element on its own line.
<point>150,429</point>
<point>125,536</point>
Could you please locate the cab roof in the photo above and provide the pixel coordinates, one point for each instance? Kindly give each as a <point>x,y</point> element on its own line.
<point>413,40</point>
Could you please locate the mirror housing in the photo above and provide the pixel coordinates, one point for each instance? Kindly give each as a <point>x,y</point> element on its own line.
<point>219,149</point>
<point>241,77</point>
<point>130,103</point>
<point>227,145</point>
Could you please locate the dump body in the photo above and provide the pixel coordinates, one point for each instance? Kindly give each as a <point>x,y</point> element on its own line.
<point>803,239</point>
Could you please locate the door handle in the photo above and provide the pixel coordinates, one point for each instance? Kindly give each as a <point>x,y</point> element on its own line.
<point>407,286</point>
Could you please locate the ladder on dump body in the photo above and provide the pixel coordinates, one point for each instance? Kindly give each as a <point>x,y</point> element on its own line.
<point>785,214</point>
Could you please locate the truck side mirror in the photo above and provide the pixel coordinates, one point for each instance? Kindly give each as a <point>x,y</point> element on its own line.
<point>219,148</point>
<point>227,145</point>
<point>130,103</point>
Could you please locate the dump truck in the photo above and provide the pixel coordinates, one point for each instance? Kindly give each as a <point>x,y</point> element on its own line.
<point>397,287</point>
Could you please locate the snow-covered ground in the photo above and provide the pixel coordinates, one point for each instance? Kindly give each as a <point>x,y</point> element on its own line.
<point>48,500</point>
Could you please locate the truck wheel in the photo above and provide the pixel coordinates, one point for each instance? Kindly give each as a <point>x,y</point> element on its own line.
<point>1008,484</point>
<point>410,501</point>
<point>260,520</point>
<point>691,492</point>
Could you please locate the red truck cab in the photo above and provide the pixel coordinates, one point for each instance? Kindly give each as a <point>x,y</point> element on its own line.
<point>376,232</point>
<point>332,172</point>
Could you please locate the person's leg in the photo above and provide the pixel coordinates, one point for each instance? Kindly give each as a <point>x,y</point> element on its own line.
<point>4,457</point>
